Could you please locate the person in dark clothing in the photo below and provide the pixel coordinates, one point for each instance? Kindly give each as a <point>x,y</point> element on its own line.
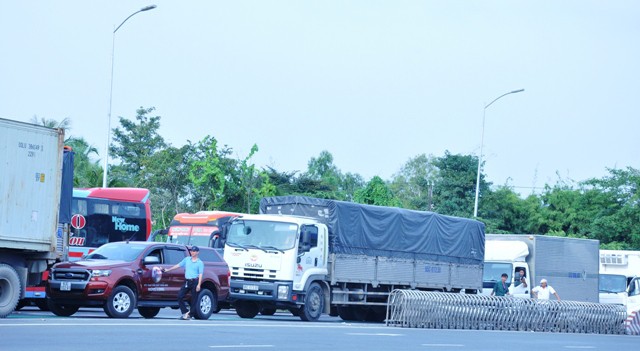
<point>501,288</point>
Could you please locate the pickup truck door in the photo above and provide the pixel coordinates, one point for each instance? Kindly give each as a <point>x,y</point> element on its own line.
<point>175,278</point>
<point>154,282</point>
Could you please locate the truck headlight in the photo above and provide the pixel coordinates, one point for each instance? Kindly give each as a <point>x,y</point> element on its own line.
<point>101,273</point>
<point>283,292</point>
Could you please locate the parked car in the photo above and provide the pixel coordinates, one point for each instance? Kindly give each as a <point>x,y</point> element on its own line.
<point>122,276</point>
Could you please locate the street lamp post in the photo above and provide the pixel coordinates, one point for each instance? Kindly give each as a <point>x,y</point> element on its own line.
<point>484,113</point>
<point>113,48</point>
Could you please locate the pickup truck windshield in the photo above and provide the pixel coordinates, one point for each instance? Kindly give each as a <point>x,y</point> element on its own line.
<point>613,283</point>
<point>117,251</point>
<point>262,234</point>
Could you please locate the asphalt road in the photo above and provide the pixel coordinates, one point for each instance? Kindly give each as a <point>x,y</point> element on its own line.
<point>90,329</point>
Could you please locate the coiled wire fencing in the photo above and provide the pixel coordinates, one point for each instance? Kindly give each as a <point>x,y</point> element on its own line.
<point>420,309</point>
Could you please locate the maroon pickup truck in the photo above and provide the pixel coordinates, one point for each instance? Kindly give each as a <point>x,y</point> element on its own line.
<point>122,276</point>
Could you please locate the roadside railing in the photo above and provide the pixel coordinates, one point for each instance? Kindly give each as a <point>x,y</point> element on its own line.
<point>420,309</point>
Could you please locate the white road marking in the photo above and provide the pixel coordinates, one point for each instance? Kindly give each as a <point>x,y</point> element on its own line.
<point>443,345</point>
<point>579,347</point>
<point>237,346</point>
<point>374,334</point>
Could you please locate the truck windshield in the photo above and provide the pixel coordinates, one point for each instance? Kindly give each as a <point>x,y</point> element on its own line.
<point>493,271</point>
<point>117,251</point>
<point>262,235</point>
<point>613,283</point>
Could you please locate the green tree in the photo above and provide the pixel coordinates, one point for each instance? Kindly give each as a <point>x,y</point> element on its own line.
<point>65,123</point>
<point>134,144</point>
<point>376,192</point>
<point>207,172</point>
<point>454,191</point>
<point>87,172</point>
<point>413,184</point>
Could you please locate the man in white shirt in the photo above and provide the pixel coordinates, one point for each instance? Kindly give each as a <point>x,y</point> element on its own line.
<point>544,291</point>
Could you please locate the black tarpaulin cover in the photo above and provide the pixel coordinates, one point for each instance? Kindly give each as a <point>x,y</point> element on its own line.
<point>387,231</point>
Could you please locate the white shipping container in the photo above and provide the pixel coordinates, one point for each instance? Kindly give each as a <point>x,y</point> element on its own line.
<point>31,171</point>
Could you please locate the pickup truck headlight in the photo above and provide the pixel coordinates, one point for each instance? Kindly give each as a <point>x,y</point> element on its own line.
<point>283,292</point>
<point>101,273</point>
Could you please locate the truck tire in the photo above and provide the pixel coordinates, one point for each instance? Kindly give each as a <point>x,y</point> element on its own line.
<point>121,302</point>
<point>205,304</point>
<point>246,309</point>
<point>9,290</point>
<point>148,312</point>
<point>42,304</point>
<point>62,310</point>
<point>268,311</point>
<point>313,303</point>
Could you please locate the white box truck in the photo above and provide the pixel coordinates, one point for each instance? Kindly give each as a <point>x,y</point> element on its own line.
<point>620,278</point>
<point>314,256</point>
<point>570,265</point>
<point>31,235</point>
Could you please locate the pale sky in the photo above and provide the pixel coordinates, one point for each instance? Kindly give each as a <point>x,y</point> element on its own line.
<point>372,82</point>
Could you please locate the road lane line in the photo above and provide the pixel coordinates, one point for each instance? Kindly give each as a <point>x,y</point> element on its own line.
<point>443,345</point>
<point>237,346</point>
<point>374,334</point>
<point>579,347</point>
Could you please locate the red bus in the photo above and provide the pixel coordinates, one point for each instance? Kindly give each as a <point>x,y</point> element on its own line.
<point>198,228</point>
<point>104,215</point>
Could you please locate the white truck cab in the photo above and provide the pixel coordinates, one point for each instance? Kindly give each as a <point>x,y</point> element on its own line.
<point>506,257</point>
<point>619,278</point>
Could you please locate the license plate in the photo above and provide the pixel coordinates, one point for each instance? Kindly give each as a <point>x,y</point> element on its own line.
<point>250,287</point>
<point>65,286</point>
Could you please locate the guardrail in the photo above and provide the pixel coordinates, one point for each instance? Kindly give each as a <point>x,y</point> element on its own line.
<point>420,309</point>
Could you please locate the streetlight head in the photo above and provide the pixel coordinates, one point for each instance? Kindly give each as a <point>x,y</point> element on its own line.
<point>517,91</point>
<point>147,8</point>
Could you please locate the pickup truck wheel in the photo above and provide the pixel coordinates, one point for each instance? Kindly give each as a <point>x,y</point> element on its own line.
<point>206,304</point>
<point>268,311</point>
<point>148,312</point>
<point>313,303</point>
<point>62,310</point>
<point>121,302</point>
<point>246,309</point>
<point>9,290</point>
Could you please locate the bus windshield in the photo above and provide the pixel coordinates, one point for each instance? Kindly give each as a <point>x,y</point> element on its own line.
<point>191,235</point>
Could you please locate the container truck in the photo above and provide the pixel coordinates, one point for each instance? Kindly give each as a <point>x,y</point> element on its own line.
<point>620,278</point>
<point>570,265</point>
<point>36,190</point>
<point>314,256</point>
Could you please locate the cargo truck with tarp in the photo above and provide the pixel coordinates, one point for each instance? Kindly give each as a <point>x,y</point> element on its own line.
<point>314,256</point>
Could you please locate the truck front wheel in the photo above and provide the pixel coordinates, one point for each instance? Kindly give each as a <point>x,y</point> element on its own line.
<point>206,304</point>
<point>313,303</point>
<point>9,290</point>
<point>246,309</point>
<point>121,302</point>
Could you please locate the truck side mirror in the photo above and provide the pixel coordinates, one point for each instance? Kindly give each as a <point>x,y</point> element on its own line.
<point>215,240</point>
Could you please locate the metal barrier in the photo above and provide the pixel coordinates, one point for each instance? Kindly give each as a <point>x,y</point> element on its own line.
<point>420,309</point>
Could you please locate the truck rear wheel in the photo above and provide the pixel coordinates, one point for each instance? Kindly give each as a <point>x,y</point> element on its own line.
<point>313,303</point>
<point>268,311</point>
<point>346,313</point>
<point>9,290</point>
<point>148,312</point>
<point>205,304</point>
<point>62,310</point>
<point>121,302</point>
<point>246,309</point>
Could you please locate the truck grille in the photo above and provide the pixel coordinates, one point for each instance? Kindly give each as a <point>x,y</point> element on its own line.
<point>71,274</point>
<point>253,273</point>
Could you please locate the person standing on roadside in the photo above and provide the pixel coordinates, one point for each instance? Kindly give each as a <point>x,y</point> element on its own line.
<point>193,269</point>
<point>501,288</point>
<point>544,291</point>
